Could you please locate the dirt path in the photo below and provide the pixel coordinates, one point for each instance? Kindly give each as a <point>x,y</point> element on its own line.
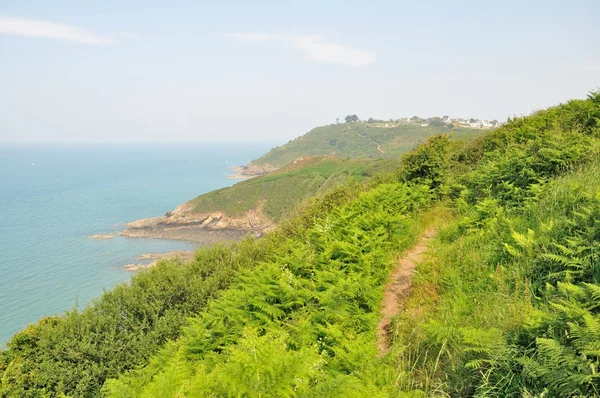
<point>365,135</point>
<point>398,288</point>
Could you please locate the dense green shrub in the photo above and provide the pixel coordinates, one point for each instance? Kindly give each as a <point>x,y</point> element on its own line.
<point>428,163</point>
<point>75,353</point>
<point>310,311</point>
<point>517,285</point>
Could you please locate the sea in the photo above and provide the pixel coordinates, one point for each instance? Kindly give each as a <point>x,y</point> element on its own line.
<point>54,197</point>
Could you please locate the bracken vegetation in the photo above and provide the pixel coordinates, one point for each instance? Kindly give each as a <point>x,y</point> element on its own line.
<point>507,303</point>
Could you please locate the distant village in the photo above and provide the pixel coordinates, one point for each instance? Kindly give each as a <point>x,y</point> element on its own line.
<point>433,121</point>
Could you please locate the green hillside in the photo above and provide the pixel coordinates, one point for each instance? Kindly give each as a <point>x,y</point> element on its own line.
<point>506,303</point>
<point>357,140</point>
<point>318,165</point>
<point>283,190</point>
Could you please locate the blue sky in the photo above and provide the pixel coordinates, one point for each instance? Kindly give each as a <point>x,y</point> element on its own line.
<point>146,71</point>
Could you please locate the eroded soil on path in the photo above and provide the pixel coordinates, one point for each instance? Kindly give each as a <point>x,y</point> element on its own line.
<point>398,288</point>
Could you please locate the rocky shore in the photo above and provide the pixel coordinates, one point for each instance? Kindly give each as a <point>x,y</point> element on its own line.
<point>204,228</point>
<point>150,260</point>
<point>251,170</point>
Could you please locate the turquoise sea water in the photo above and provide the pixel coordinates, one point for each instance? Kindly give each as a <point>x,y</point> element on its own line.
<point>52,198</point>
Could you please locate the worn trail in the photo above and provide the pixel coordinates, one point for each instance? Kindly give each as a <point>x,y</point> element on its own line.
<point>398,288</point>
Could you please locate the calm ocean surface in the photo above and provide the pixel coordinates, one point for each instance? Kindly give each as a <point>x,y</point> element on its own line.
<point>52,198</point>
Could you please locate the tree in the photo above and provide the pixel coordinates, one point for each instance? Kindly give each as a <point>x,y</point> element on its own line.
<point>337,119</point>
<point>436,122</point>
<point>351,118</point>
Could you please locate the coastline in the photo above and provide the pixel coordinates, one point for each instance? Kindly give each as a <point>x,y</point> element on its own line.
<point>150,260</point>
<point>187,233</point>
<point>203,228</point>
<point>183,224</point>
<point>250,171</point>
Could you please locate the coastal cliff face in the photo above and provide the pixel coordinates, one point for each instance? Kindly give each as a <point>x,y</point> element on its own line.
<point>183,224</point>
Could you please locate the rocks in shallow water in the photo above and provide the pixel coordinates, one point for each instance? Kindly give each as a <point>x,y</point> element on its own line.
<point>251,170</point>
<point>103,236</point>
<point>146,222</point>
<point>156,258</point>
<point>135,267</point>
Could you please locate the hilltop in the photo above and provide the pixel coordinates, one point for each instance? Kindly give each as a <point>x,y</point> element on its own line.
<point>376,140</point>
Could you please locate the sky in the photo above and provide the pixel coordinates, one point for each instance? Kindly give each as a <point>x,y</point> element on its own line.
<point>179,71</point>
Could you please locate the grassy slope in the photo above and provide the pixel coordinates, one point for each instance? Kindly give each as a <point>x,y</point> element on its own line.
<point>508,306</point>
<point>508,303</point>
<point>355,158</point>
<point>355,140</point>
<point>284,189</point>
<point>511,294</point>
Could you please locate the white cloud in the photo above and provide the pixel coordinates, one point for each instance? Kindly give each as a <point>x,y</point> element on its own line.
<point>316,48</point>
<point>48,30</point>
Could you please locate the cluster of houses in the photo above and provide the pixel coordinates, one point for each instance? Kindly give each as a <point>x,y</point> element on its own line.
<point>446,120</point>
<point>458,122</point>
<point>475,123</point>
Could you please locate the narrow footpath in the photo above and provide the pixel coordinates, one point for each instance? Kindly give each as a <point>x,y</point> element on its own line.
<point>398,288</point>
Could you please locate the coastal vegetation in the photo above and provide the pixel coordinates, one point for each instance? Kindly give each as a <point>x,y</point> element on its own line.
<point>309,166</point>
<point>283,190</point>
<point>358,140</point>
<point>506,303</point>
<point>256,205</point>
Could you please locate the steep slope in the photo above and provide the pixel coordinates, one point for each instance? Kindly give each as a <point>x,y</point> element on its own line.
<point>304,323</point>
<point>508,303</point>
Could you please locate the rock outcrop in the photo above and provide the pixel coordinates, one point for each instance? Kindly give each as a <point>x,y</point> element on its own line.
<point>206,228</point>
<point>251,170</point>
<point>150,260</point>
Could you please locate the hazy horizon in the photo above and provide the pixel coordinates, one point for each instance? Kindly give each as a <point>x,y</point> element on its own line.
<point>142,72</point>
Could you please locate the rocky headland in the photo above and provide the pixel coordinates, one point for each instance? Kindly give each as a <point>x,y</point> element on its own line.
<point>204,228</point>
<point>251,170</point>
